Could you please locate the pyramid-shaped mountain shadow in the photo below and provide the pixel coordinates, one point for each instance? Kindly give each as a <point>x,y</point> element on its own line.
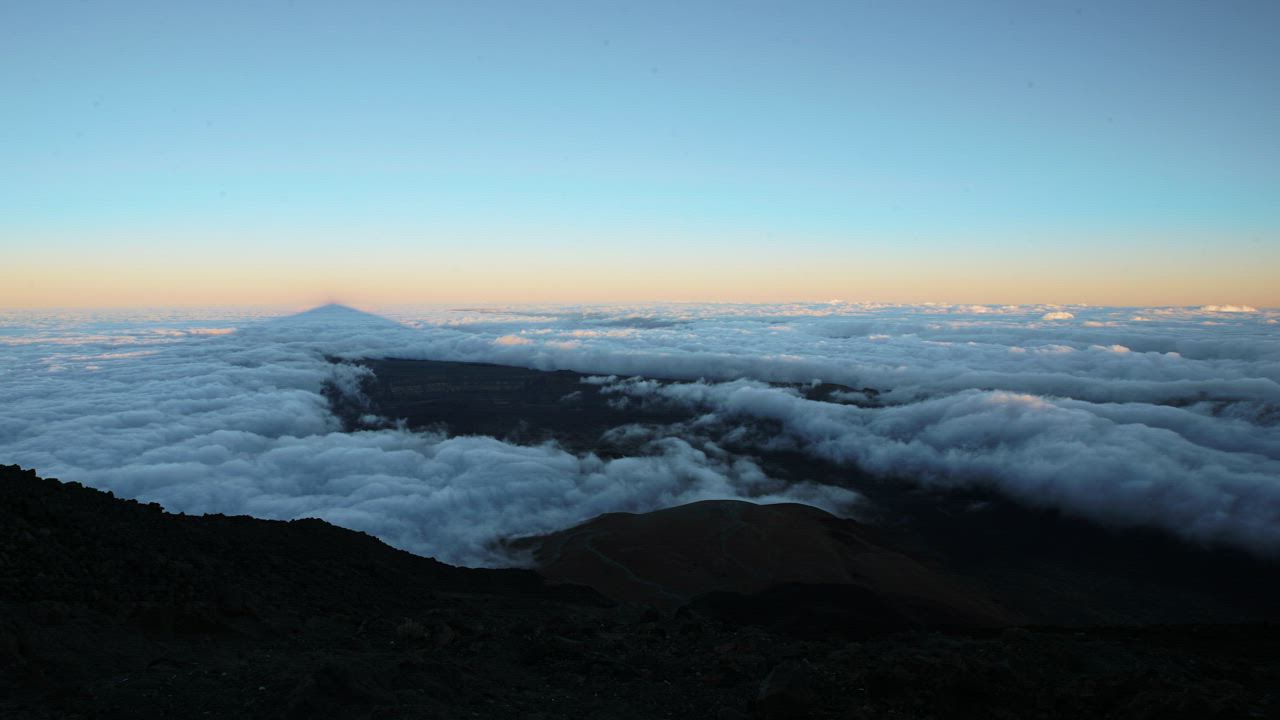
<point>317,322</point>
<point>333,314</point>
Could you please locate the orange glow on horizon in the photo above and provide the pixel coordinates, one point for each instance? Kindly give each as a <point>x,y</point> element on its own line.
<point>459,272</point>
<point>42,288</point>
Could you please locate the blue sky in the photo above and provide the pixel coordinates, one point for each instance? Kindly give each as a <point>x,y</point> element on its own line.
<point>343,142</point>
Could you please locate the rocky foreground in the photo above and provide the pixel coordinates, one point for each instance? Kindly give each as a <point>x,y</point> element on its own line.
<point>110,608</point>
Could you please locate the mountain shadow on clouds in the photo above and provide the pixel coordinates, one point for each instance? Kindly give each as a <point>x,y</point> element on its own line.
<point>334,315</point>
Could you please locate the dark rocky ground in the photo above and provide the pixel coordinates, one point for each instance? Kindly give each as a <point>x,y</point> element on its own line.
<point>112,609</point>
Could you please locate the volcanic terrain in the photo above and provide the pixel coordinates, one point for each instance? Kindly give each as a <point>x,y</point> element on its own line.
<point>929,604</point>
<point>114,609</point>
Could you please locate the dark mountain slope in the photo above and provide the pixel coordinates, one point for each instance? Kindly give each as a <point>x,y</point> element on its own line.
<point>112,609</point>
<point>669,557</point>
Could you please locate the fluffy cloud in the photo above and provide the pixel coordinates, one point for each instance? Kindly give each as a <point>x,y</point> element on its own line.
<point>1229,309</point>
<point>1159,420</point>
<point>1205,478</point>
<point>237,423</point>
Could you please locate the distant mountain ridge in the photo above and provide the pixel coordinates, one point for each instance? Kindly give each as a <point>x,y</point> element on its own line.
<point>670,557</point>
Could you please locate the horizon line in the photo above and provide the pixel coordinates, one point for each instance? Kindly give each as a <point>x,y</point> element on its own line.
<point>464,305</point>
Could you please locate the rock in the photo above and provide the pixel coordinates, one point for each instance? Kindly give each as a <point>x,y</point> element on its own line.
<point>444,634</point>
<point>1015,634</point>
<point>787,691</point>
<point>10,646</point>
<point>411,630</point>
<point>330,691</point>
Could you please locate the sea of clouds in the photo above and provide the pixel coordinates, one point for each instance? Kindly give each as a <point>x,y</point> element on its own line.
<point>1164,417</point>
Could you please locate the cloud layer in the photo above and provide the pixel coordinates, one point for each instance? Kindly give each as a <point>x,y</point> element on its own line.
<point>1157,416</point>
<point>1124,465</point>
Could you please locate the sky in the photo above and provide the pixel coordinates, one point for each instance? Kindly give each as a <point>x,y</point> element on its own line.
<point>1113,153</point>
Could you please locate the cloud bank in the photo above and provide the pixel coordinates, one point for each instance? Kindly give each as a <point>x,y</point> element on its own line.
<point>1124,465</point>
<point>1165,417</point>
<point>237,423</point>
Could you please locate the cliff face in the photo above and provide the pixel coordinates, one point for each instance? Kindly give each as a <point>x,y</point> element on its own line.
<point>113,609</point>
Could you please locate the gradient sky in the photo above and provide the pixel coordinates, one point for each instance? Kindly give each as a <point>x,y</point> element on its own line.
<point>223,152</point>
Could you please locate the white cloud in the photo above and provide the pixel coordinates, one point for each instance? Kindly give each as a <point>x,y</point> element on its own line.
<point>512,340</point>
<point>1204,478</point>
<point>1164,422</point>
<point>1228,309</point>
<point>237,424</point>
